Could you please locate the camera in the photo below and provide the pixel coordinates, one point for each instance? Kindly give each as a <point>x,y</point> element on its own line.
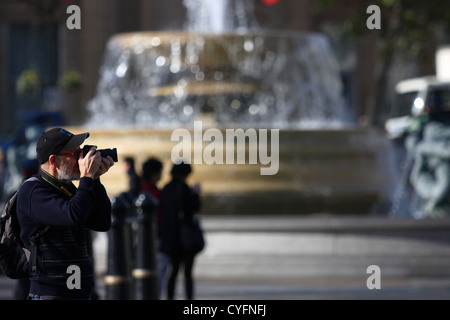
<point>103,152</point>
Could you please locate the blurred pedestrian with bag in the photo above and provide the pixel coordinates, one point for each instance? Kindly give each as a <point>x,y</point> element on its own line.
<point>179,203</point>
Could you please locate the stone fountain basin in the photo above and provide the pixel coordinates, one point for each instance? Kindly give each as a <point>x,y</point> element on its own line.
<point>320,171</point>
<point>258,77</point>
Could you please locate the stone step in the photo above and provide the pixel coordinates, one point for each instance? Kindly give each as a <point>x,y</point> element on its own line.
<point>295,248</point>
<point>300,268</point>
<point>341,171</point>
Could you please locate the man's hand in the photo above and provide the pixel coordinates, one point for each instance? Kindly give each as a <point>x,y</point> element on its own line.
<point>90,164</point>
<point>106,163</point>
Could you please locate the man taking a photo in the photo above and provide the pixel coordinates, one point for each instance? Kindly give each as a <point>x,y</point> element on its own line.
<point>64,213</point>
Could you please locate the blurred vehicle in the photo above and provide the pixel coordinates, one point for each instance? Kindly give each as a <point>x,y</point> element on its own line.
<point>19,142</point>
<point>417,97</point>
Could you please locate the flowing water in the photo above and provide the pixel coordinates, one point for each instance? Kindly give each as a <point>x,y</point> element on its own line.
<point>223,67</point>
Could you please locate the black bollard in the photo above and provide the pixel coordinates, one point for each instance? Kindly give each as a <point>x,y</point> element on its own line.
<point>144,274</point>
<point>90,249</point>
<point>117,280</point>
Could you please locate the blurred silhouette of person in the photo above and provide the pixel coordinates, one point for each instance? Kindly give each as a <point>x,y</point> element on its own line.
<point>134,182</point>
<point>151,175</point>
<point>178,196</point>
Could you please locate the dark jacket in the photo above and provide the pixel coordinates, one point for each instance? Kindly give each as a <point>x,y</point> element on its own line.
<point>68,211</point>
<point>176,196</point>
<point>134,183</point>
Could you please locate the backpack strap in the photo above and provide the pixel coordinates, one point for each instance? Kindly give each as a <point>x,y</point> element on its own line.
<point>33,243</point>
<point>40,231</point>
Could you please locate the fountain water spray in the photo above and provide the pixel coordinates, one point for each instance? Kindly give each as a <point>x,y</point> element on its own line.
<point>219,16</point>
<point>224,68</point>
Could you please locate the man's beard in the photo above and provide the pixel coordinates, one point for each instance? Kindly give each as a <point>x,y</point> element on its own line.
<point>66,174</point>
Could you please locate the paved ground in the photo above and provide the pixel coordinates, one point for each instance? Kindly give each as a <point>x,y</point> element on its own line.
<point>322,259</point>
<point>314,289</point>
<point>319,289</point>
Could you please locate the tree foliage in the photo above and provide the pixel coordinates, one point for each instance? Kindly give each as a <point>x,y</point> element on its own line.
<point>409,28</point>
<point>406,25</point>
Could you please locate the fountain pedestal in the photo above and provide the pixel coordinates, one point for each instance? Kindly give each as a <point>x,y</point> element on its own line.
<point>334,171</point>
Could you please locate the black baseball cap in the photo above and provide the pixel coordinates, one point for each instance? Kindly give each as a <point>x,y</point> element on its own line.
<point>55,140</point>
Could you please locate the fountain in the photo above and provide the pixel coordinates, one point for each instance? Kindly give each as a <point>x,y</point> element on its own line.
<point>224,72</point>
<point>236,75</point>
